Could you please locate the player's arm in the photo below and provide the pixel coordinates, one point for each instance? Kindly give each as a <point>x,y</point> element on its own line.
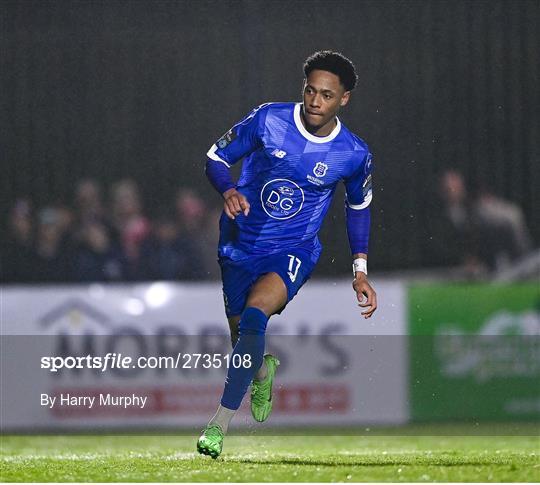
<point>358,216</point>
<point>241,140</point>
<point>220,177</point>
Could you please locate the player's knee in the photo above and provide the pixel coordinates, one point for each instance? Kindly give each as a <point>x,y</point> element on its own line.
<point>268,304</point>
<point>269,294</point>
<point>260,303</point>
<point>253,322</point>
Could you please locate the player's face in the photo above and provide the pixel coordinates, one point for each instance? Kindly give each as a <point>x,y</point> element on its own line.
<point>323,96</point>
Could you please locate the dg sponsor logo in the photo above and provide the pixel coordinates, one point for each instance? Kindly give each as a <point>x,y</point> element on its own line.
<point>282,198</point>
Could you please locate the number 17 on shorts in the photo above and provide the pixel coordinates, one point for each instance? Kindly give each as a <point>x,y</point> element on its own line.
<point>294,266</point>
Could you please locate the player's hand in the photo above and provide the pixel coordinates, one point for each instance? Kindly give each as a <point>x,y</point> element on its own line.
<point>235,203</point>
<point>365,294</point>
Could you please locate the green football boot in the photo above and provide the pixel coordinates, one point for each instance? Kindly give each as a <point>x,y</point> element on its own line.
<point>261,391</point>
<point>211,441</point>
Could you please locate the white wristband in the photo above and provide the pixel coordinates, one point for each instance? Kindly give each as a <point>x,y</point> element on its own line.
<point>359,264</point>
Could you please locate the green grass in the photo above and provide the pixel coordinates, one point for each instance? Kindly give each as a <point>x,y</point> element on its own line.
<point>378,458</point>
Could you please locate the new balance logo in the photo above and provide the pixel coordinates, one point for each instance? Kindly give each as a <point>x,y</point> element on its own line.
<point>279,153</point>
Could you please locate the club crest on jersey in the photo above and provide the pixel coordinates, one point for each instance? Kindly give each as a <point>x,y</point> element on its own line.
<point>320,169</point>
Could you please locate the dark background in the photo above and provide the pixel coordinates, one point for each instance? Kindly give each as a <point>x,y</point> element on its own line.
<point>143,88</point>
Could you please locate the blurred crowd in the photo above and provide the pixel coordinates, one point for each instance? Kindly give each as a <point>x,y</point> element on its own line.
<point>111,239</point>
<point>477,230</point>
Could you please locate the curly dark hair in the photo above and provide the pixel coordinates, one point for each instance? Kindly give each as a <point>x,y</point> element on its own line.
<point>333,62</point>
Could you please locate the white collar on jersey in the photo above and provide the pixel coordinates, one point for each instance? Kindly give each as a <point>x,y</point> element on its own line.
<point>307,134</point>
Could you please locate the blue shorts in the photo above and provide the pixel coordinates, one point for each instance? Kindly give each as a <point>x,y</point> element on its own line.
<point>294,267</point>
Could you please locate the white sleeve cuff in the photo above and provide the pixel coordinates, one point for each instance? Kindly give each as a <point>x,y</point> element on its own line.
<point>363,205</point>
<point>213,155</point>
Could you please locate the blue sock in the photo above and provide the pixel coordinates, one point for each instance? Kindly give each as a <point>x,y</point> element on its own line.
<point>252,328</point>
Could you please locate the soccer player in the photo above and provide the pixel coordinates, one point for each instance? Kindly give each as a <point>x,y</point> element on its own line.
<point>294,156</point>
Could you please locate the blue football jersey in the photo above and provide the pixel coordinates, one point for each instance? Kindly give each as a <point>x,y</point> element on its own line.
<point>289,177</point>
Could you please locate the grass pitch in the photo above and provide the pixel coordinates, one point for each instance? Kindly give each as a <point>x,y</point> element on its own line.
<point>407,456</point>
